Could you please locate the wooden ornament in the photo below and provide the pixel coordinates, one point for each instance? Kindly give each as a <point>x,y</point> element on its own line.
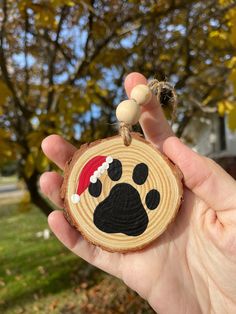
<point>119,197</point>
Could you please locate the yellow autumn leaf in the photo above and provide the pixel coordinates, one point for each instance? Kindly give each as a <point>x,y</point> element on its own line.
<point>230,15</point>
<point>218,35</point>
<point>232,63</point>
<point>219,39</point>
<point>165,57</point>
<point>233,34</point>
<point>44,16</point>
<point>207,100</point>
<point>35,138</point>
<point>225,2</point>
<point>58,3</point>
<point>148,65</point>
<point>225,106</point>
<point>232,78</point>
<point>4,92</point>
<point>221,108</point>
<point>42,162</point>
<point>79,105</point>
<point>70,3</point>
<point>5,150</point>
<point>29,166</point>
<point>4,134</point>
<point>229,106</point>
<point>232,119</point>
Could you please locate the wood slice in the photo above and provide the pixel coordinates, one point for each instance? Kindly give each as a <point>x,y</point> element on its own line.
<point>121,198</point>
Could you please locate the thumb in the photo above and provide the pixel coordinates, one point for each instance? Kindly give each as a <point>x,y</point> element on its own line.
<point>202,175</point>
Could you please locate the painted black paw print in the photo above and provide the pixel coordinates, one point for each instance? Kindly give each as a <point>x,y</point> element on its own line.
<point>122,210</point>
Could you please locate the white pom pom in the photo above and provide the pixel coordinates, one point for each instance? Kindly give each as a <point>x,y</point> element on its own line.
<point>101,169</point>
<point>141,93</point>
<point>109,159</point>
<point>75,198</point>
<point>105,165</point>
<point>97,174</point>
<point>93,179</point>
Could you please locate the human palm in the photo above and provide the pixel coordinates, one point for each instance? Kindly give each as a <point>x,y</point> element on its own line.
<point>191,268</point>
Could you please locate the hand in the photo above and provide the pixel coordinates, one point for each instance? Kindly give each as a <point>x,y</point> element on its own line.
<point>191,268</point>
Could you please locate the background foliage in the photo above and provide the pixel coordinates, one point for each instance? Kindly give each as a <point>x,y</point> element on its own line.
<point>62,65</point>
<point>63,62</point>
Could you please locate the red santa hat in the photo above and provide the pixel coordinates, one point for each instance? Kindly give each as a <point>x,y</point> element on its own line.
<point>91,171</point>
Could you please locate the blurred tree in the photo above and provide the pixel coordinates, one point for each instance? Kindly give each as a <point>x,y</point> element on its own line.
<point>228,105</point>
<point>63,61</point>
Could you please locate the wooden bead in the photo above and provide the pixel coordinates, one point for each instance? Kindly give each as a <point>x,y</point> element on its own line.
<point>141,93</point>
<point>128,111</point>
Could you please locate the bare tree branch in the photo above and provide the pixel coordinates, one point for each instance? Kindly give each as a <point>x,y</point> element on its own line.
<point>90,30</point>
<point>26,54</point>
<point>186,44</point>
<point>115,31</point>
<point>51,68</point>
<point>47,38</point>
<point>3,65</point>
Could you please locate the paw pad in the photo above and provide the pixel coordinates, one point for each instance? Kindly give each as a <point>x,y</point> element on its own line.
<point>122,211</point>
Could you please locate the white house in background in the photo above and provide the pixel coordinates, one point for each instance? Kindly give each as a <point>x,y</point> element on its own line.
<point>211,137</point>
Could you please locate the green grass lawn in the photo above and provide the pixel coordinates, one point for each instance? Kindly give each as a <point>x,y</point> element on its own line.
<point>41,276</point>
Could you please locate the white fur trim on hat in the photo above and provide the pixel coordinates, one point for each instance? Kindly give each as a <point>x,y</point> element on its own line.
<point>97,174</point>
<point>105,165</point>
<point>109,159</point>
<point>93,179</point>
<point>101,169</point>
<point>75,198</point>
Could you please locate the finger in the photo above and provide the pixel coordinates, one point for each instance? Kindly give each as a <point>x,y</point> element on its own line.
<point>153,121</point>
<point>72,239</point>
<point>58,150</point>
<point>50,184</point>
<point>202,175</point>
